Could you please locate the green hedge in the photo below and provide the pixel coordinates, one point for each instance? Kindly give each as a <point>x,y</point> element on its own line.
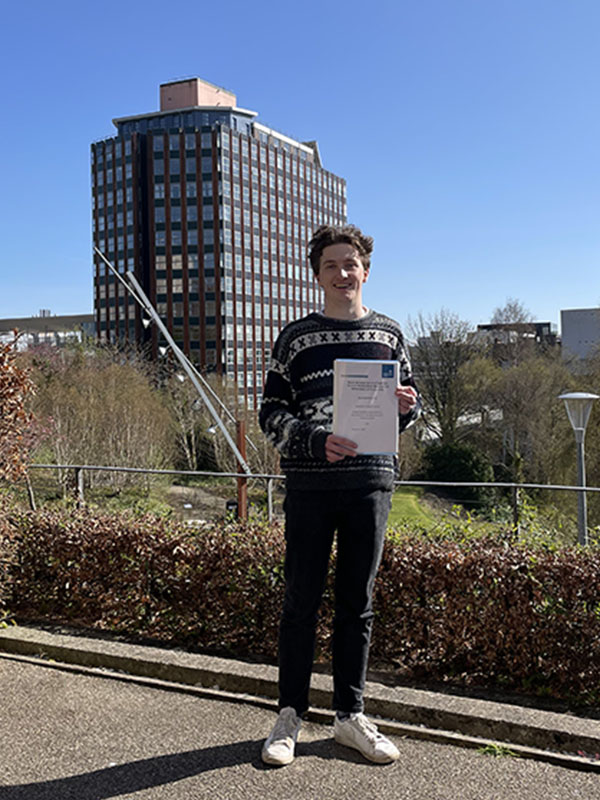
<point>471,611</point>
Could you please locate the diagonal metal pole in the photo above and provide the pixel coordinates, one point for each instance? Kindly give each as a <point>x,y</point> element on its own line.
<point>199,375</point>
<point>149,308</point>
<point>212,392</point>
<point>136,290</point>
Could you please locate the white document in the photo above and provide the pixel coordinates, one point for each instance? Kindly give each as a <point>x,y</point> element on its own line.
<point>365,407</point>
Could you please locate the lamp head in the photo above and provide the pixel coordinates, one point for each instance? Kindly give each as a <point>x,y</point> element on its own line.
<point>579,408</point>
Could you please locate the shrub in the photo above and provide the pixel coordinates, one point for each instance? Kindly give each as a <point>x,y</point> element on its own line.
<point>100,407</point>
<point>15,419</point>
<point>461,463</point>
<point>480,611</point>
<point>470,610</point>
<point>217,588</point>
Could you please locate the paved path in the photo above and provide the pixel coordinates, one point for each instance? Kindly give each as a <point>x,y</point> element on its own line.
<point>66,736</point>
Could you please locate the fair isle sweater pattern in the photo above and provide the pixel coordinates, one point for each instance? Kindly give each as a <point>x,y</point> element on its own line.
<point>297,408</point>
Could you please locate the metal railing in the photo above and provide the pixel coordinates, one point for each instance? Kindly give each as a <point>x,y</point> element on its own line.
<point>79,469</point>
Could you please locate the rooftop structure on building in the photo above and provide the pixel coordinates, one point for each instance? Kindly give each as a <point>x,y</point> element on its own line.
<point>212,210</point>
<point>542,333</point>
<point>509,342</point>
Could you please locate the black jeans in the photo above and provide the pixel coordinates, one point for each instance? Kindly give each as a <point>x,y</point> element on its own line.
<point>360,518</point>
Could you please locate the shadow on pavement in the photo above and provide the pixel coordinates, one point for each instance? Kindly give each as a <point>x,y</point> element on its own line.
<point>161,770</point>
<point>137,775</point>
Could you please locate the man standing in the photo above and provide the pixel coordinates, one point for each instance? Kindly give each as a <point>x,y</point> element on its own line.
<point>330,488</point>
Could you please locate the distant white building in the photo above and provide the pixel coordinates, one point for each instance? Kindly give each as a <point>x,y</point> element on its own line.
<point>47,329</point>
<point>580,329</point>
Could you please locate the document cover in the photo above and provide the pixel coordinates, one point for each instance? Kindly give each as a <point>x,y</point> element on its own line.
<point>365,407</point>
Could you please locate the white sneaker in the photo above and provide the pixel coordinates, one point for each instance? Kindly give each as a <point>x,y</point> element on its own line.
<point>279,747</point>
<point>361,734</point>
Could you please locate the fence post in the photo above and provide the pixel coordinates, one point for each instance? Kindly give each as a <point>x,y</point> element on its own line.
<point>515,509</point>
<point>79,485</point>
<point>242,483</point>
<point>270,499</point>
<point>30,493</point>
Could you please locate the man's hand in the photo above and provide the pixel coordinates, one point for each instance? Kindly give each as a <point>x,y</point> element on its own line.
<point>407,398</point>
<point>337,448</point>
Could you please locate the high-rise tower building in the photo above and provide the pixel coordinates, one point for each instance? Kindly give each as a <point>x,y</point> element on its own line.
<point>212,211</point>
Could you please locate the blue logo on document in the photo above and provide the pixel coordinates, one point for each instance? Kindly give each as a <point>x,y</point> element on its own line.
<point>387,370</point>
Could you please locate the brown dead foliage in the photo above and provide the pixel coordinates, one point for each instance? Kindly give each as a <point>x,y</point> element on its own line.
<point>474,611</point>
<point>15,419</point>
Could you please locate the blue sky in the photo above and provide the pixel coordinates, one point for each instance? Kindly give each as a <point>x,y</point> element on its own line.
<point>468,132</point>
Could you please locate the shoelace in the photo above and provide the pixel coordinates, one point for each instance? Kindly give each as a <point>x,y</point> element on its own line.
<point>368,728</point>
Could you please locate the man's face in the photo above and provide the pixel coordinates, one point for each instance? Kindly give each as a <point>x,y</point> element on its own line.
<point>341,274</point>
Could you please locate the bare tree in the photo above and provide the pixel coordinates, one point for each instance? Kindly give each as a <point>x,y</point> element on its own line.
<point>513,311</point>
<point>442,344</point>
<point>516,338</point>
<point>101,407</point>
<point>193,425</point>
<point>200,441</point>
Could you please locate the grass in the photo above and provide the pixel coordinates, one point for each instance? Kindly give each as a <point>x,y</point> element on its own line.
<point>406,507</point>
<point>153,497</point>
<point>410,511</point>
<point>141,495</point>
<point>497,750</point>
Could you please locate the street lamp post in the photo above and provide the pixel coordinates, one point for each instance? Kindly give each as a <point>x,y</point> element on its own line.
<point>579,408</point>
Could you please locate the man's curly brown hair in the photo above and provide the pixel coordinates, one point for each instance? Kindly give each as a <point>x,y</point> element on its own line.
<point>332,234</point>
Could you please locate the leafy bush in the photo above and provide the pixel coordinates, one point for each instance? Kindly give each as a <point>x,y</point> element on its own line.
<point>472,610</point>
<point>461,463</point>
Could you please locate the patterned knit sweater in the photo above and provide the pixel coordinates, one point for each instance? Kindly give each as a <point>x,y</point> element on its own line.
<point>297,408</point>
